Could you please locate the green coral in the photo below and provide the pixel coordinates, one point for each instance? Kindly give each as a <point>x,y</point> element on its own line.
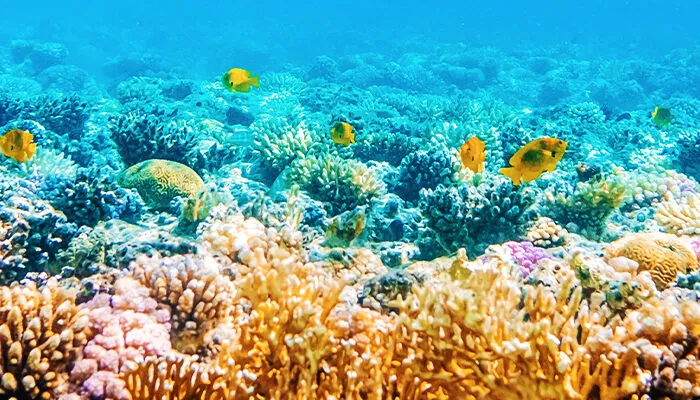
<point>277,143</point>
<point>590,203</point>
<point>159,181</point>
<point>341,184</point>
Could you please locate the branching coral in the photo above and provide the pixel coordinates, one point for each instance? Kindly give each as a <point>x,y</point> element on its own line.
<point>589,204</point>
<point>476,216</point>
<point>40,332</point>
<point>91,196</point>
<point>277,143</point>
<point>31,231</point>
<point>425,169</point>
<point>63,115</point>
<point>546,233</point>
<point>195,289</point>
<point>341,184</point>
<point>679,216</point>
<point>148,133</point>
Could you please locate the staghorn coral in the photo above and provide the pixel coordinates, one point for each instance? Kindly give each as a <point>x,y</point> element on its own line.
<point>40,331</point>
<point>679,216</point>
<point>663,255</point>
<point>389,147</point>
<point>340,183</point>
<point>10,109</point>
<point>150,134</point>
<point>159,181</point>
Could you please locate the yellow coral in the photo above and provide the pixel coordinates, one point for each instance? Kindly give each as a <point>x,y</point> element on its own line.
<point>159,181</point>
<point>663,255</point>
<point>39,334</point>
<point>679,216</point>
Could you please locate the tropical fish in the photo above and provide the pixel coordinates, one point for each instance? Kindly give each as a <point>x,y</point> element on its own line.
<point>535,158</point>
<point>473,154</point>
<point>342,133</point>
<point>661,116</point>
<point>18,144</point>
<point>239,80</point>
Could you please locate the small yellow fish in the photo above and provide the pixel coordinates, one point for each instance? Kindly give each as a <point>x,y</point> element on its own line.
<point>239,80</point>
<point>18,144</point>
<point>342,133</point>
<point>535,158</point>
<point>661,116</point>
<point>473,154</point>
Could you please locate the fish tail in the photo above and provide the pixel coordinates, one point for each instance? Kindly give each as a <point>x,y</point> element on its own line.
<point>255,81</point>
<point>512,173</point>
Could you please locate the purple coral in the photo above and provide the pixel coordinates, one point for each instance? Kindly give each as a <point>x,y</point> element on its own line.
<point>527,256</point>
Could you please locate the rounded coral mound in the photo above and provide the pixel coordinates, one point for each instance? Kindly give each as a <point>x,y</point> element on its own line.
<point>159,181</point>
<point>663,255</point>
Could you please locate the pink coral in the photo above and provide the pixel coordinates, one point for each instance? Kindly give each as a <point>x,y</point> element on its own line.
<point>127,327</point>
<point>527,256</point>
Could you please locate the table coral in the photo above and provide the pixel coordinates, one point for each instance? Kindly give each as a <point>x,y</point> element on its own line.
<point>159,181</point>
<point>41,332</point>
<point>663,255</point>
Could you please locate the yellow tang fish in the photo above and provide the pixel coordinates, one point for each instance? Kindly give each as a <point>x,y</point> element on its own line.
<point>239,80</point>
<point>342,133</point>
<point>661,116</point>
<point>535,158</point>
<point>18,144</point>
<point>473,154</point>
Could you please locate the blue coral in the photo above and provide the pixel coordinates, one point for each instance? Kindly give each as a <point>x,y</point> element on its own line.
<point>92,196</point>
<point>476,216</point>
<point>425,169</point>
<point>151,133</point>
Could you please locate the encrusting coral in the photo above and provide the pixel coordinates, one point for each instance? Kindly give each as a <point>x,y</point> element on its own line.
<point>40,333</point>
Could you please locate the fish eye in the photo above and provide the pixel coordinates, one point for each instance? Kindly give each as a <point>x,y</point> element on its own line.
<point>554,154</point>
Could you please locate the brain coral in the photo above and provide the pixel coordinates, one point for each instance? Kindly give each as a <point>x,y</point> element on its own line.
<point>663,255</point>
<point>159,181</point>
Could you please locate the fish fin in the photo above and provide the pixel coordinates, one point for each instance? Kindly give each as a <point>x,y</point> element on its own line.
<point>255,81</point>
<point>528,175</point>
<point>243,87</point>
<point>512,173</point>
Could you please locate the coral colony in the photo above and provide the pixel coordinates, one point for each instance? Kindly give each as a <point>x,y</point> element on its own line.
<point>342,230</point>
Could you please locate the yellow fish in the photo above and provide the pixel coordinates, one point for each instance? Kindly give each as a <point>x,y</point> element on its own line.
<point>18,144</point>
<point>239,80</point>
<point>473,154</point>
<point>535,158</point>
<point>342,133</point>
<point>661,116</point>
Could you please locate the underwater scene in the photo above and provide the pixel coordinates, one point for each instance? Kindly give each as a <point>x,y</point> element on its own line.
<point>349,200</point>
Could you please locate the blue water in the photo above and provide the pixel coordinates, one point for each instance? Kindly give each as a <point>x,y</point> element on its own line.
<point>205,38</point>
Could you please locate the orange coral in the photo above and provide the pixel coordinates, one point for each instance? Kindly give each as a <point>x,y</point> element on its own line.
<point>39,333</point>
<point>663,255</point>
